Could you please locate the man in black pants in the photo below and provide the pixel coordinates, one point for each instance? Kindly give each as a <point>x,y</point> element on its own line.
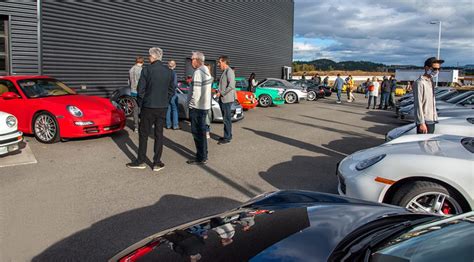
<point>226,96</point>
<point>424,99</point>
<point>155,89</point>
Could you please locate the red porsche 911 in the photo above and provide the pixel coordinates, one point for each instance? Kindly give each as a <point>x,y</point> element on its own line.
<point>50,110</point>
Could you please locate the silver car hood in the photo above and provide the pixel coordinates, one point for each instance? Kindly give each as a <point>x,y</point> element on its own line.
<point>436,145</point>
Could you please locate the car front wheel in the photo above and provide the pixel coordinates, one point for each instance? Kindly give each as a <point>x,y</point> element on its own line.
<point>312,96</point>
<point>429,197</point>
<point>265,101</point>
<point>46,128</point>
<point>291,98</point>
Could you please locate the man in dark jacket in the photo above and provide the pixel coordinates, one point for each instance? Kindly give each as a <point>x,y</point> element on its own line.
<point>386,89</point>
<point>155,89</point>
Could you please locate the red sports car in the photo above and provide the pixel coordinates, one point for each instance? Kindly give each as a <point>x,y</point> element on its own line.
<point>51,110</point>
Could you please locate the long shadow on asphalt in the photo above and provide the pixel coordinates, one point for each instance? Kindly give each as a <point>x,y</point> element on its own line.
<point>350,133</point>
<point>104,239</point>
<point>312,173</point>
<point>187,153</point>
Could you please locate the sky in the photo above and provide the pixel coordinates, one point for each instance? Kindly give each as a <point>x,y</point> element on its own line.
<point>384,31</point>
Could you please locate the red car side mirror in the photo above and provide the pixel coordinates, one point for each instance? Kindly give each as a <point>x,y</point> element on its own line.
<point>9,95</point>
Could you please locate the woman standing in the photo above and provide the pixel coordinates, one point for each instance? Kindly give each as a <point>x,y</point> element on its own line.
<point>252,83</point>
<point>373,91</point>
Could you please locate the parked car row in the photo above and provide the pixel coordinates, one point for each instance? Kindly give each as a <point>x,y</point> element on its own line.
<point>428,173</point>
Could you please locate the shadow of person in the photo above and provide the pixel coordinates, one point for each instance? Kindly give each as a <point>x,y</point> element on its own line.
<point>127,146</point>
<point>105,238</point>
<point>349,145</point>
<point>304,173</point>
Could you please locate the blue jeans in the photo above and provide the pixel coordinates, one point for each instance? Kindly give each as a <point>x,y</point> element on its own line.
<point>339,93</point>
<point>227,118</point>
<point>385,99</point>
<point>198,129</point>
<point>172,113</point>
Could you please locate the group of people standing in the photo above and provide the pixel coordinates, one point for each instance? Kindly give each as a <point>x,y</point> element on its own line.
<point>386,89</point>
<point>154,87</point>
<point>339,85</point>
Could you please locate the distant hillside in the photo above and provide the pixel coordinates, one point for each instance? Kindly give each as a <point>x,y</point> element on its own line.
<point>329,65</point>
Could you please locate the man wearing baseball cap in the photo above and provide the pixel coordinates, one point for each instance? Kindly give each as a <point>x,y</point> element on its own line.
<point>423,93</point>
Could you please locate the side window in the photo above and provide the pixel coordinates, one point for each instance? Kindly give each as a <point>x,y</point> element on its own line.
<point>270,83</point>
<point>468,101</point>
<point>238,84</point>
<point>7,86</point>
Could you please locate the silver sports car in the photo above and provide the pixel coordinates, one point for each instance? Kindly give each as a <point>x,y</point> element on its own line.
<point>183,110</point>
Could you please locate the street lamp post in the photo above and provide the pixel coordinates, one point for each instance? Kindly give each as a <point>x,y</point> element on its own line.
<point>439,41</point>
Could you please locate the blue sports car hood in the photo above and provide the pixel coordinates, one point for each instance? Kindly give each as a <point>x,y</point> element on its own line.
<point>279,226</point>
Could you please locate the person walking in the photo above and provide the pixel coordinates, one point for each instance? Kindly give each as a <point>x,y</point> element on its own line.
<point>252,83</point>
<point>134,76</point>
<point>303,77</point>
<point>199,104</point>
<point>393,88</point>
<point>226,95</point>
<point>424,99</point>
<point>172,112</point>
<point>386,89</point>
<point>349,88</point>
<point>373,91</point>
<point>155,89</point>
<point>338,84</point>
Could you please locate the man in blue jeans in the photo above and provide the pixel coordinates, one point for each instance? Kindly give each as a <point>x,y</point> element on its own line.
<point>199,104</point>
<point>172,113</point>
<point>226,95</point>
<point>338,84</point>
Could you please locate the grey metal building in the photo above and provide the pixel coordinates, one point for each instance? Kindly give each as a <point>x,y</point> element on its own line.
<point>90,45</point>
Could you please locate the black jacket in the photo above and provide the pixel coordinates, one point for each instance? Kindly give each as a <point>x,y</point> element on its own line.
<point>155,87</point>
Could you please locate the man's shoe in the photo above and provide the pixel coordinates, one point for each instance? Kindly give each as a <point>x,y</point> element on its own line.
<point>158,167</point>
<point>196,162</point>
<point>176,128</point>
<point>338,102</point>
<point>135,130</point>
<point>222,142</point>
<point>136,165</point>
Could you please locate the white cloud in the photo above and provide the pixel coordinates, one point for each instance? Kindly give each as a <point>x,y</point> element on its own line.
<point>385,31</point>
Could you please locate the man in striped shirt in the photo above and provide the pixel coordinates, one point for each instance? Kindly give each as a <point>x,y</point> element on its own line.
<point>199,104</point>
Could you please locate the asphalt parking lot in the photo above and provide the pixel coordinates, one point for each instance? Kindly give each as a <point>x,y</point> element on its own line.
<point>80,202</point>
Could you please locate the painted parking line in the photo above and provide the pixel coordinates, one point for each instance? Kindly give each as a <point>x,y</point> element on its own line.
<point>24,157</point>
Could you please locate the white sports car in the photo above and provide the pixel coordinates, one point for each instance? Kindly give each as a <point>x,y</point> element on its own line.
<point>460,126</point>
<point>428,173</point>
<point>10,137</point>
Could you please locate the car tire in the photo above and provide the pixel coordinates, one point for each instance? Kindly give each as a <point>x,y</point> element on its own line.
<point>291,98</point>
<point>422,195</point>
<point>46,128</point>
<point>127,103</point>
<point>312,96</point>
<point>264,101</point>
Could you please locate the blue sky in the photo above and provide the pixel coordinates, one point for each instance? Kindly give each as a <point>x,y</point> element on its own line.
<point>385,31</point>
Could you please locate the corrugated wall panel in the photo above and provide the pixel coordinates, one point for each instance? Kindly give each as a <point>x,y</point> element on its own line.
<point>23,35</point>
<point>94,43</point>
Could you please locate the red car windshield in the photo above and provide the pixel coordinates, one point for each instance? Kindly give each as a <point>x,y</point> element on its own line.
<point>35,88</point>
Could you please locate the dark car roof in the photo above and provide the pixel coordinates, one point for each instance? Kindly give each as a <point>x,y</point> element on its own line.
<point>286,225</point>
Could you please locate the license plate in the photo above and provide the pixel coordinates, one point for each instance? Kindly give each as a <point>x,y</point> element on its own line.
<point>12,148</point>
<point>238,111</point>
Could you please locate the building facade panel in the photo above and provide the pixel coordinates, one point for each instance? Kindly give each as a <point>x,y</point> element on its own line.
<point>94,43</point>
<point>22,35</point>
